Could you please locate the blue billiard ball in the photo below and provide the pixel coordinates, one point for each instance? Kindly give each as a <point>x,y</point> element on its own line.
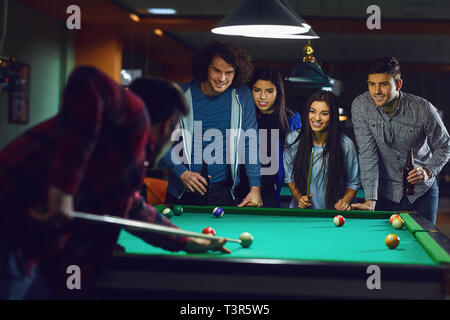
<point>218,212</point>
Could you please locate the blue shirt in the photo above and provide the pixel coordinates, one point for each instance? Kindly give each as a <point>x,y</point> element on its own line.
<point>318,185</point>
<point>212,113</point>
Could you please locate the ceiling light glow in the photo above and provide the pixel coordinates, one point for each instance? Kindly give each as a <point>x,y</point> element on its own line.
<point>161,11</point>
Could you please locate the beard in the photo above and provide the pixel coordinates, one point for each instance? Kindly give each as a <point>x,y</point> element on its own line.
<point>156,153</point>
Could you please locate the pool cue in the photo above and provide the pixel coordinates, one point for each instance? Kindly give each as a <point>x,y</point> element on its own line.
<point>146,226</point>
<point>309,173</point>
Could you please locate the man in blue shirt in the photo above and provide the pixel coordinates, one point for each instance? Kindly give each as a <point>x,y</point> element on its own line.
<point>218,135</point>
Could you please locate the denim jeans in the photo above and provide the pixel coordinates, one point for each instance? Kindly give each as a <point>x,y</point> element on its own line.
<point>218,194</point>
<point>16,283</point>
<point>426,205</point>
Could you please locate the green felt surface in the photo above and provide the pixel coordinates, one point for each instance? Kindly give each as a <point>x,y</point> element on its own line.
<point>294,237</point>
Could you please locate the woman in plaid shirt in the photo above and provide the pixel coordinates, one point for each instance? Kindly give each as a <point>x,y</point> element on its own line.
<point>90,157</point>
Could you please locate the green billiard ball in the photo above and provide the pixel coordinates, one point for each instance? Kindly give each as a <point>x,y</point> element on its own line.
<point>177,210</point>
<point>168,213</point>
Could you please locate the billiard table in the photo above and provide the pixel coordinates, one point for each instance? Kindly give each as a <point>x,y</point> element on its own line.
<point>296,253</point>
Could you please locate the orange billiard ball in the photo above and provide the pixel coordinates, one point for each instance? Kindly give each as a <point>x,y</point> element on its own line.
<point>393,217</point>
<point>392,241</point>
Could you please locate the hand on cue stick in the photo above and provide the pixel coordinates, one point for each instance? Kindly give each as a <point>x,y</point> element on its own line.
<point>309,173</point>
<point>216,243</point>
<point>195,245</point>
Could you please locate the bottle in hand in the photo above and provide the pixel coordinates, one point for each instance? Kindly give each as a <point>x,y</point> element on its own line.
<point>408,188</point>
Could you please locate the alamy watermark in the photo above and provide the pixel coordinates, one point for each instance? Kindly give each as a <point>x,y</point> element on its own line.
<point>74,20</point>
<point>74,279</point>
<point>374,280</point>
<point>237,142</point>
<point>374,20</point>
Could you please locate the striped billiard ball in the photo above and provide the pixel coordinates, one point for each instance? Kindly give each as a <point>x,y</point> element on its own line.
<point>168,213</point>
<point>339,221</point>
<point>218,212</point>
<point>393,217</point>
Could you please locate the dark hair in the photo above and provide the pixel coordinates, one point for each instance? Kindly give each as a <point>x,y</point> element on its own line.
<point>333,153</point>
<point>236,57</point>
<point>388,65</point>
<point>269,73</point>
<point>162,98</point>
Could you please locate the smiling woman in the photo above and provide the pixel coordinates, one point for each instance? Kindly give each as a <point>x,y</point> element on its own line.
<point>334,174</point>
<point>264,94</point>
<point>275,120</point>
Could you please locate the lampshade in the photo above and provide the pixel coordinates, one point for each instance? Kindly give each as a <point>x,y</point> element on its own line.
<point>264,19</point>
<point>308,73</point>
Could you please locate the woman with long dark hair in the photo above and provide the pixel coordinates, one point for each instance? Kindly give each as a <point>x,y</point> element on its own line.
<point>272,115</point>
<point>335,173</point>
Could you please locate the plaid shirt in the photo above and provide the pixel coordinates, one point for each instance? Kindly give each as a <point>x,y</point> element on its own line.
<point>95,149</point>
<point>384,140</point>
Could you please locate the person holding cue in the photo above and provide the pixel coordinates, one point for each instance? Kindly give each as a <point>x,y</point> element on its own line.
<point>388,122</point>
<point>89,157</point>
<point>319,158</point>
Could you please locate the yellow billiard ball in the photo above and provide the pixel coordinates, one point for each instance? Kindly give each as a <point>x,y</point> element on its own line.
<point>392,241</point>
<point>398,223</point>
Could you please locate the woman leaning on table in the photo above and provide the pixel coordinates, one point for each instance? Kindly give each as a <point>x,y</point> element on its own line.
<point>272,114</point>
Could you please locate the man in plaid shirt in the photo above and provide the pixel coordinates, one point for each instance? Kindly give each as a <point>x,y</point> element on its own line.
<point>90,157</point>
<point>388,122</point>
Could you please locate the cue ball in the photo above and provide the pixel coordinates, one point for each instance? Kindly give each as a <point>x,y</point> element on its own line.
<point>246,239</point>
<point>393,217</point>
<point>209,230</point>
<point>177,210</point>
<point>392,241</point>
<point>218,212</point>
<point>398,223</point>
<point>339,221</point>
<point>168,213</point>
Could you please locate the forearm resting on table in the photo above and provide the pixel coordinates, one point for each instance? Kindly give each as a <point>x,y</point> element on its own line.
<point>349,195</point>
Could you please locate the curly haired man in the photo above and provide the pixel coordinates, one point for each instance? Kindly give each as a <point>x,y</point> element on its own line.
<point>222,110</point>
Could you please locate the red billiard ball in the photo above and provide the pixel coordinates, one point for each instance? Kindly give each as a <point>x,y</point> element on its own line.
<point>392,241</point>
<point>393,217</point>
<point>209,230</point>
<point>339,221</point>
